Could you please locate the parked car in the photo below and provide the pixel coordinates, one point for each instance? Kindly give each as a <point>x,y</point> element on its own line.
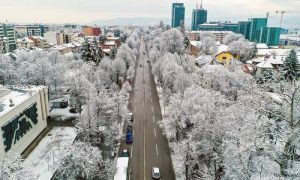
<point>129,127</point>
<point>155,173</point>
<point>129,137</point>
<point>125,153</point>
<point>131,116</point>
<point>64,103</point>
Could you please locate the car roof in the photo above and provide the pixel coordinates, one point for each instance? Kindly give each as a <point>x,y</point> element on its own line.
<point>155,170</point>
<point>125,150</point>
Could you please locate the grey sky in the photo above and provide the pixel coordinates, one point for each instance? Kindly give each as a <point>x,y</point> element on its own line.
<point>85,11</point>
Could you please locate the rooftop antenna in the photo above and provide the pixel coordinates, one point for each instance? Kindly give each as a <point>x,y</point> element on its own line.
<point>201,5</point>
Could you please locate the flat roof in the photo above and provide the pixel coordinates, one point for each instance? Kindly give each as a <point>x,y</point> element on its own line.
<point>17,96</point>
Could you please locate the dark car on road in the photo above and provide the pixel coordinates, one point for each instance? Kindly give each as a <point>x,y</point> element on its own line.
<point>129,127</point>
<point>129,137</point>
<point>130,116</point>
<point>125,153</point>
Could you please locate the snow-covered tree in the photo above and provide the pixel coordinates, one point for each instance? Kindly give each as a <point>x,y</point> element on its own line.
<point>208,46</point>
<point>173,39</point>
<point>289,69</point>
<point>186,42</point>
<point>83,161</point>
<point>265,77</point>
<point>241,49</point>
<point>113,53</point>
<point>11,167</point>
<point>118,71</point>
<point>86,51</point>
<point>231,37</point>
<point>126,54</point>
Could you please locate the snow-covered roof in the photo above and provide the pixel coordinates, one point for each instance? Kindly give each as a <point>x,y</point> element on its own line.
<point>278,52</point>
<point>69,54</point>
<point>222,48</point>
<point>106,50</point>
<point>110,43</point>
<point>276,60</point>
<point>77,44</point>
<point>258,60</point>
<point>262,46</point>
<point>17,96</point>
<point>265,65</point>
<point>113,38</point>
<point>195,43</point>
<point>203,60</point>
<point>276,97</point>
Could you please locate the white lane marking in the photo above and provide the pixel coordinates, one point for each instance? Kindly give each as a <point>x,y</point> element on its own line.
<point>131,152</point>
<point>153,118</point>
<point>135,109</point>
<point>156,149</point>
<point>129,174</point>
<point>144,127</point>
<point>154,132</point>
<point>152,108</point>
<point>151,99</point>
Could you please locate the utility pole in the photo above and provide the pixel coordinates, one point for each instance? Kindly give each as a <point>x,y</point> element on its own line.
<point>281,17</point>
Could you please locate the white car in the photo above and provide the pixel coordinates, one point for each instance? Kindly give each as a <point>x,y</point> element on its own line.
<point>155,173</point>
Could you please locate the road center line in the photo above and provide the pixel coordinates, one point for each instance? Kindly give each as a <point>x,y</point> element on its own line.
<point>131,152</point>
<point>154,132</point>
<point>152,108</point>
<point>153,118</point>
<point>156,149</point>
<point>151,99</point>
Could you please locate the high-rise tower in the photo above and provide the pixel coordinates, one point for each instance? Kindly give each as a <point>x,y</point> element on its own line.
<point>199,16</point>
<point>178,12</point>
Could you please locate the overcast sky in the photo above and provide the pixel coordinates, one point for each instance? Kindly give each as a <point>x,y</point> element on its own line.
<point>85,11</point>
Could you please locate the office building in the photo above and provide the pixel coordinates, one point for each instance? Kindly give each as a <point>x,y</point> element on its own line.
<point>8,36</point>
<point>218,26</point>
<point>256,28</point>
<point>91,31</point>
<point>54,38</point>
<point>36,30</point>
<point>244,28</point>
<point>199,16</point>
<point>270,36</point>
<point>219,35</point>
<point>23,116</point>
<point>178,14</point>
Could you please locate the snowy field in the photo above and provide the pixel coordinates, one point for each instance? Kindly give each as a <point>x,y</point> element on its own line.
<point>46,155</point>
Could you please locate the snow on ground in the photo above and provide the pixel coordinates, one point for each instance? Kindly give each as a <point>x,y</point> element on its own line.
<point>46,155</point>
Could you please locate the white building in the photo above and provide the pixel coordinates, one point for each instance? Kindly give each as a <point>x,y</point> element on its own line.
<point>23,116</point>
<point>54,38</point>
<point>219,35</point>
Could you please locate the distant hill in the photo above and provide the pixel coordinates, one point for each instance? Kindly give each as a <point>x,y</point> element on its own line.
<point>132,21</point>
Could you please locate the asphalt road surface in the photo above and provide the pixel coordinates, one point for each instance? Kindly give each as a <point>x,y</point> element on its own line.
<point>150,147</point>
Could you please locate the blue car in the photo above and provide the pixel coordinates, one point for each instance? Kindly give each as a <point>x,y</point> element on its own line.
<point>129,137</point>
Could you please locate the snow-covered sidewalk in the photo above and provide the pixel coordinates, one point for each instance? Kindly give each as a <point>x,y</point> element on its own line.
<point>46,155</point>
